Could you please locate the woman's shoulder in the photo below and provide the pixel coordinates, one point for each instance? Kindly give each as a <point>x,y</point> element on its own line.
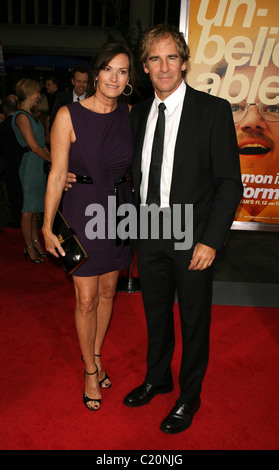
<point>72,109</point>
<point>22,117</point>
<point>62,119</point>
<point>64,113</point>
<point>21,113</point>
<point>124,107</point>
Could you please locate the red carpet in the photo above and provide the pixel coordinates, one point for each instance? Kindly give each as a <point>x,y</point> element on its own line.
<point>42,375</point>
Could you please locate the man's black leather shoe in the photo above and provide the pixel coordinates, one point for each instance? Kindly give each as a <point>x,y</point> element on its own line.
<point>180,417</point>
<point>144,393</point>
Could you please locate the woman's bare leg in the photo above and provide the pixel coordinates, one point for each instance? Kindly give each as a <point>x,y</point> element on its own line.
<point>87,300</point>
<point>107,288</point>
<point>35,236</point>
<point>27,223</point>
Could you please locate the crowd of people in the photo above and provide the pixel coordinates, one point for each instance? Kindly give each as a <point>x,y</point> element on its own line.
<point>153,155</point>
<point>26,121</point>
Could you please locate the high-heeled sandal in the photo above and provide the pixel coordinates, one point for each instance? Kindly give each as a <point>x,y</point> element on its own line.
<point>44,254</point>
<point>101,382</point>
<point>86,399</point>
<point>105,378</point>
<point>27,255</point>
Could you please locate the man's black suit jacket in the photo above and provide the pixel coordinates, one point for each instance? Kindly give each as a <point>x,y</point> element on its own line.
<point>11,153</point>
<point>66,97</point>
<point>206,169</point>
<point>9,147</point>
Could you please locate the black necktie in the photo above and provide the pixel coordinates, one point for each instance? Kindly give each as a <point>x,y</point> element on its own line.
<point>77,98</point>
<point>153,193</point>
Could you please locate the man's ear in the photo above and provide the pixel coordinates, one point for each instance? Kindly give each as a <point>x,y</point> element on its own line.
<point>72,81</point>
<point>145,68</point>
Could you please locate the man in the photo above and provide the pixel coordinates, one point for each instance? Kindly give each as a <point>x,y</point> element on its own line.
<point>200,167</point>
<point>257,129</point>
<point>11,152</point>
<point>79,81</point>
<point>51,91</point>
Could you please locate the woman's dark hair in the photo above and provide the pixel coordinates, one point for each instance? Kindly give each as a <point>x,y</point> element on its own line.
<point>105,54</point>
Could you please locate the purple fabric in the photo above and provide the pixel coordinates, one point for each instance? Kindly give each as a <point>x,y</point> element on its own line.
<point>102,150</point>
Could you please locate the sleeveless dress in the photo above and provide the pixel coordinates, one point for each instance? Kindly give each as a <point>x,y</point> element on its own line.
<point>103,151</point>
<point>31,170</point>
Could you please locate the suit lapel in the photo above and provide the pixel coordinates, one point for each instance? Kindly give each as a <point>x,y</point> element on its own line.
<point>188,124</point>
<point>186,131</point>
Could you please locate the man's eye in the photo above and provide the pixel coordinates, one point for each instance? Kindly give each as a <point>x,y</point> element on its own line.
<point>272,109</point>
<point>236,108</point>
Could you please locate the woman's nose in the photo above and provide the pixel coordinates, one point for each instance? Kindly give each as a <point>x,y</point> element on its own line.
<point>113,76</point>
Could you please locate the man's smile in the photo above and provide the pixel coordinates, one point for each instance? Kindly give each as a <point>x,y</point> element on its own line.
<point>254,144</point>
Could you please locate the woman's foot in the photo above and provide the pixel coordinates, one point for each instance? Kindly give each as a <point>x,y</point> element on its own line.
<point>38,248</point>
<point>30,252</point>
<point>104,380</point>
<point>92,389</point>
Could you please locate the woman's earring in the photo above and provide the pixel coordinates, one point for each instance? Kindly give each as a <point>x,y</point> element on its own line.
<point>131,90</point>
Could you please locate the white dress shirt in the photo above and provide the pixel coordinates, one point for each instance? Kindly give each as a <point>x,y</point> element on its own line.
<point>75,97</point>
<point>174,104</point>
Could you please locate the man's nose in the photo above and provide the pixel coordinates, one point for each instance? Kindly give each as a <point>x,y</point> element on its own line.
<point>164,65</point>
<point>253,119</point>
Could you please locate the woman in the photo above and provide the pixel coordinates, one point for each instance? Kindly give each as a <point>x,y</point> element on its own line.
<point>92,139</point>
<point>41,111</point>
<point>31,136</point>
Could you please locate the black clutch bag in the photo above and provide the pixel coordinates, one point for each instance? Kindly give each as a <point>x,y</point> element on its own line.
<point>75,254</point>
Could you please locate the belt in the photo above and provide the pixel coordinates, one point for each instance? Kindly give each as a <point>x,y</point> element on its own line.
<point>122,180</point>
<point>84,179</point>
<point>27,149</point>
<point>88,180</point>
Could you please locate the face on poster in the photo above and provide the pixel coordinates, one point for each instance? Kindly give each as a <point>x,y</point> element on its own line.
<point>234,48</point>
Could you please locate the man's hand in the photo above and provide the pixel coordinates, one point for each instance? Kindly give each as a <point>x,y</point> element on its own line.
<point>202,258</point>
<point>71,178</point>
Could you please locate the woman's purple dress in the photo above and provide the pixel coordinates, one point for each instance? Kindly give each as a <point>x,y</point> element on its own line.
<point>103,151</point>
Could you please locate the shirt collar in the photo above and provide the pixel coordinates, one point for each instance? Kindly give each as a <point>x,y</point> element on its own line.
<point>80,97</point>
<point>174,99</point>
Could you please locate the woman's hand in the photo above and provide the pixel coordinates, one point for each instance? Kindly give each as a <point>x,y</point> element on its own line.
<point>52,243</point>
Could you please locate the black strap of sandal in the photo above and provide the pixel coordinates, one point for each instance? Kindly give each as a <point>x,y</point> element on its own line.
<point>91,373</point>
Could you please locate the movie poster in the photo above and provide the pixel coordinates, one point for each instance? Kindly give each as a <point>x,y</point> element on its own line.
<point>234,48</point>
